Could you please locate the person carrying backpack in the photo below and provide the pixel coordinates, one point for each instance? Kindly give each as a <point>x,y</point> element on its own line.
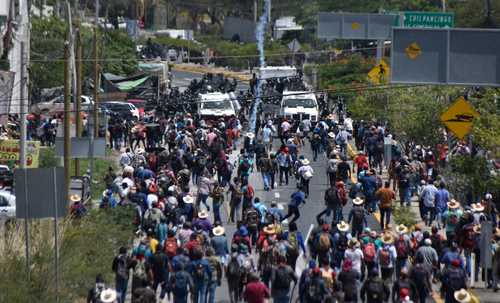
<point>296,243</point>
<point>421,277</point>
<point>181,284</point>
<point>331,168</point>
<point>369,254</point>
<point>233,275</point>
<point>374,290</point>
<point>141,274</point>
<point>357,217</point>
<point>386,257</point>
<point>405,285</point>
<point>297,198</point>
<point>216,277</point>
<point>323,242</point>
<point>281,278</point>
<point>252,220</point>
<point>94,294</point>
<point>332,203</point>
<point>121,267</point>
<point>201,272</point>
<point>403,248</point>
<point>453,279</point>
<point>315,290</point>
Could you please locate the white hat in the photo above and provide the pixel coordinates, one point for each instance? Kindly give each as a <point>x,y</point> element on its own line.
<point>488,196</point>
<point>477,207</point>
<point>401,229</point>
<point>250,135</point>
<point>128,169</point>
<point>108,295</point>
<point>188,199</point>
<point>357,201</point>
<point>462,296</point>
<point>75,198</point>
<point>218,230</point>
<point>343,226</point>
<point>305,162</point>
<point>202,214</point>
<point>331,134</point>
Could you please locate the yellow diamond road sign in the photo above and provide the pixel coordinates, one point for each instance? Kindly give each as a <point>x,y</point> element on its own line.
<point>413,51</point>
<point>380,73</point>
<point>459,117</point>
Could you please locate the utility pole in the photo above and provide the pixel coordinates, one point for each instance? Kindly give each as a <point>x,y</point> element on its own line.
<point>22,115</point>
<point>78,106</point>
<point>255,13</point>
<point>67,115</point>
<point>95,132</point>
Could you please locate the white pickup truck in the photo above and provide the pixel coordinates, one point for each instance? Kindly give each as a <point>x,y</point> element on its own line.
<point>299,105</point>
<point>216,105</point>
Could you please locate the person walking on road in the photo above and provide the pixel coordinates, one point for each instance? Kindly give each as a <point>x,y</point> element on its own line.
<point>255,291</point>
<point>306,173</point>
<point>357,217</point>
<point>453,279</point>
<point>374,290</point>
<point>297,198</point>
<point>121,267</point>
<point>386,196</point>
<point>281,278</point>
<point>387,256</point>
<point>421,277</point>
<point>332,203</point>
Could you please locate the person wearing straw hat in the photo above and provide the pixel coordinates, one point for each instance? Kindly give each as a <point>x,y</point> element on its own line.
<point>306,173</point>
<point>108,295</point>
<point>218,242</point>
<point>463,296</point>
<point>357,217</point>
<point>478,213</point>
<point>451,218</point>
<point>387,256</point>
<point>202,222</point>
<point>77,210</point>
<point>94,294</point>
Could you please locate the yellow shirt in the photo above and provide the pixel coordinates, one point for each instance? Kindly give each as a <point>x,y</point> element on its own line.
<point>152,244</point>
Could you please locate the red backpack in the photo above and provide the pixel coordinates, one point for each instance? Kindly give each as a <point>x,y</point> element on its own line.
<point>369,252</point>
<point>385,257</point>
<point>171,247</point>
<point>402,248</point>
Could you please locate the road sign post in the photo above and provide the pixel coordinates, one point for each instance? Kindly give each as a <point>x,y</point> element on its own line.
<point>428,19</point>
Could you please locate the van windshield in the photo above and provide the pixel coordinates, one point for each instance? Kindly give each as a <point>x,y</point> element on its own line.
<point>308,103</point>
<point>220,105</point>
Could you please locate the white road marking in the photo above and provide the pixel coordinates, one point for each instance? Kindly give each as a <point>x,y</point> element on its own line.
<point>301,261</point>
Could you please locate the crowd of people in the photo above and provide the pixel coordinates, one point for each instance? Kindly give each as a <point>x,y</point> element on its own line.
<point>187,245</point>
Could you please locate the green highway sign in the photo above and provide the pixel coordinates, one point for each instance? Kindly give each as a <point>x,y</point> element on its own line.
<point>428,19</point>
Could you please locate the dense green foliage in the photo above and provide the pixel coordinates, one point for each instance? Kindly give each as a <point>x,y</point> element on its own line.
<point>87,247</point>
<point>47,52</point>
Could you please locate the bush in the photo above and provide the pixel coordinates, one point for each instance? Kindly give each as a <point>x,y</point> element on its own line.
<point>87,248</point>
<point>404,215</point>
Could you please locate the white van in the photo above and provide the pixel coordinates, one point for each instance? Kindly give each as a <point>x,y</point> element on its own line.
<point>218,105</point>
<point>299,105</point>
<point>270,72</point>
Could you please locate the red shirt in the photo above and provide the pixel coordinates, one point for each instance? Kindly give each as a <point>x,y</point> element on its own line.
<point>256,292</point>
<point>360,160</point>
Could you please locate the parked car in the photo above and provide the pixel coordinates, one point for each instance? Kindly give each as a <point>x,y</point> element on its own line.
<point>7,205</point>
<point>124,109</point>
<point>56,105</point>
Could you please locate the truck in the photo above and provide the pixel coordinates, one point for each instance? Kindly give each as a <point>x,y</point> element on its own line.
<point>299,105</point>
<point>217,105</point>
<point>270,72</point>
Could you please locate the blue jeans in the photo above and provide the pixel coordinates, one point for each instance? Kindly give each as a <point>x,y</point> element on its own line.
<point>200,293</point>
<point>266,178</point>
<point>281,299</point>
<point>202,198</point>
<point>216,208</point>
<point>121,289</point>
<point>212,286</point>
<point>405,195</point>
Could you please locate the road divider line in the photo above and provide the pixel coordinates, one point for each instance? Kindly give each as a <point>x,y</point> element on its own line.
<point>301,261</point>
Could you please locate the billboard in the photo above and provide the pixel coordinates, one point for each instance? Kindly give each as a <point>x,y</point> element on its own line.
<point>356,26</point>
<point>237,27</point>
<point>446,56</point>
<point>9,153</point>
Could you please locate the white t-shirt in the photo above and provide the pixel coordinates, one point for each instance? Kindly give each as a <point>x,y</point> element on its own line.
<point>356,256</point>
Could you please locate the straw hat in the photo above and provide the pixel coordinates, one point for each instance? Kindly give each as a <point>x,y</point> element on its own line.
<point>477,207</point>
<point>218,230</point>
<point>353,242</point>
<point>331,134</point>
<point>108,295</point>
<point>358,201</point>
<point>343,226</point>
<point>250,135</point>
<point>401,229</point>
<point>188,199</point>
<point>270,229</point>
<point>202,214</point>
<point>305,162</point>
<point>387,239</point>
<point>462,296</point>
<point>453,204</point>
<point>477,228</point>
<point>75,198</point>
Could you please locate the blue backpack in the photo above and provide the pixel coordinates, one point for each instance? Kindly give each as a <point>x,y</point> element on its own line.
<point>181,282</point>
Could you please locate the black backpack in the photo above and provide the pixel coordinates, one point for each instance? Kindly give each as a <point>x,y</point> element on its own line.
<point>375,291</point>
<point>180,284</point>
<point>332,199</point>
<point>314,290</point>
<point>233,269</point>
<point>358,215</point>
<point>199,271</point>
<point>282,278</point>
<point>252,217</point>
<point>454,280</point>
